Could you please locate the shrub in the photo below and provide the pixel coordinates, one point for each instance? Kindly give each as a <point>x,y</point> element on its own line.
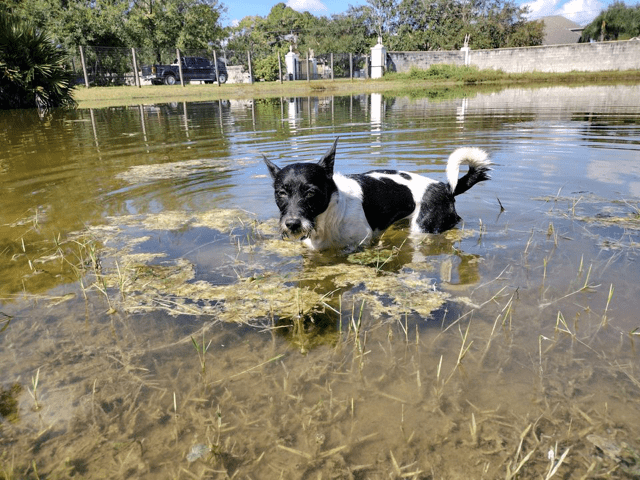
<point>33,71</point>
<point>266,68</point>
<point>449,72</point>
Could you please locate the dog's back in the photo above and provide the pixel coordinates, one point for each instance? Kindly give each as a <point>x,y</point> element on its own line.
<point>351,209</point>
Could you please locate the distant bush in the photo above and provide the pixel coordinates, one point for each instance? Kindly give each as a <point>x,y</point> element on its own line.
<point>33,71</point>
<point>266,68</point>
<point>448,72</point>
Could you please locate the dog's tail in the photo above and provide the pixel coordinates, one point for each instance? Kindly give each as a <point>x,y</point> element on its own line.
<point>479,166</point>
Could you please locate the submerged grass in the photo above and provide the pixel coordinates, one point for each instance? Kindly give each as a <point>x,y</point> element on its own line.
<point>412,360</point>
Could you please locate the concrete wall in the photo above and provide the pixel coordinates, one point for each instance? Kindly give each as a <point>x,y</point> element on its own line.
<point>403,61</point>
<point>623,55</point>
<point>237,74</point>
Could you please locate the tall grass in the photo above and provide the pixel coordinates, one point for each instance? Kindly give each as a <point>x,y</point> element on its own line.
<point>445,73</point>
<point>450,72</point>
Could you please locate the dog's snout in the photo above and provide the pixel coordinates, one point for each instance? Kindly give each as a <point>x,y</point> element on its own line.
<point>293,224</point>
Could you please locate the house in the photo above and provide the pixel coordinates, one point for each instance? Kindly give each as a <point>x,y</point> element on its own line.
<point>559,30</point>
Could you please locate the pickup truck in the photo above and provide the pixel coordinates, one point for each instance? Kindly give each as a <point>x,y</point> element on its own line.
<point>193,69</point>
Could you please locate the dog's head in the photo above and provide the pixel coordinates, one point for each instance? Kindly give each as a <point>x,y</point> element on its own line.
<point>303,191</point>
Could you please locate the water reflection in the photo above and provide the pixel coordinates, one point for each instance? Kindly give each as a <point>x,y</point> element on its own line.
<point>128,235</point>
<point>92,159</point>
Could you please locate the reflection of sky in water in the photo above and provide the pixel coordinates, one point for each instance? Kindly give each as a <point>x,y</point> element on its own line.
<point>544,140</point>
<point>185,159</point>
<point>574,154</point>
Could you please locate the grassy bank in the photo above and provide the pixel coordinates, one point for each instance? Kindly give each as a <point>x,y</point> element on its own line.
<point>438,77</point>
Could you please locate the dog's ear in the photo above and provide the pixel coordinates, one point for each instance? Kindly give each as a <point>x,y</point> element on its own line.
<point>327,160</point>
<point>273,168</point>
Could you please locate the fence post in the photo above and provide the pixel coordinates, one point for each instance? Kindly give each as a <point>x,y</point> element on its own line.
<point>332,66</point>
<point>136,78</point>
<point>180,66</point>
<point>279,68</point>
<point>250,69</point>
<point>351,66</point>
<point>84,67</point>
<point>308,68</point>
<point>215,62</point>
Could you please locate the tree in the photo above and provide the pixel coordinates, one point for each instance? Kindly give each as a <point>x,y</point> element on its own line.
<point>163,25</point>
<point>78,22</point>
<point>526,34</point>
<point>33,71</point>
<point>345,32</point>
<point>264,37</point>
<point>503,24</point>
<point>443,24</point>
<point>384,17</point>
<point>266,68</point>
<point>201,27</point>
<point>618,22</point>
<point>431,25</point>
<point>155,24</point>
<point>281,28</point>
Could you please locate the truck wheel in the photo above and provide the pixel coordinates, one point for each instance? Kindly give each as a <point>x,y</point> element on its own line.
<point>169,80</point>
<point>223,78</point>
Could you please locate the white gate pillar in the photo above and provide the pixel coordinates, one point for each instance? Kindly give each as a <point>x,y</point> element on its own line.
<point>378,59</point>
<point>291,61</point>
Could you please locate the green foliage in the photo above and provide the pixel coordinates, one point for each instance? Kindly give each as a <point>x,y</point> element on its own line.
<point>526,34</point>
<point>618,22</point>
<point>33,71</point>
<point>78,22</point>
<point>284,28</point>
<point>403,25</point>
<point>384,17</point>
<point>200,26</point>
<point>157,27</point>
<point>154,24</point>
<point>455,73</point>
<point>443,24</point>
<point>350,32</point>
<point>167,24</point>
<point>266,68</point>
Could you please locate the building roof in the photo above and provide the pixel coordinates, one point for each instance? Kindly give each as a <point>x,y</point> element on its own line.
<point>559,30</point>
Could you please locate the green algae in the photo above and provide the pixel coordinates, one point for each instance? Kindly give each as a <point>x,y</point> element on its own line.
<point>147,281</point>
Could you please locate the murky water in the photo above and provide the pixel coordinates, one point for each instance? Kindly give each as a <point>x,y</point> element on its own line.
<point>154,325</point>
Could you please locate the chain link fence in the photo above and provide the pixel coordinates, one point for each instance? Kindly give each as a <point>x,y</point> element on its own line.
<point>111,66</point>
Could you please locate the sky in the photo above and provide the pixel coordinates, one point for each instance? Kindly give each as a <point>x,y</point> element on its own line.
<point>580,11</point>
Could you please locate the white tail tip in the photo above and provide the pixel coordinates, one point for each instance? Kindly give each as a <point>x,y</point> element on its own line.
<point>473,156</point>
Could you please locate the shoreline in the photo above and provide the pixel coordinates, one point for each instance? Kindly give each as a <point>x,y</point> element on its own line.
<point>396,84</point>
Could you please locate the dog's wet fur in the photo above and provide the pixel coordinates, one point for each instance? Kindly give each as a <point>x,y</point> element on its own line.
<point>328,210</point>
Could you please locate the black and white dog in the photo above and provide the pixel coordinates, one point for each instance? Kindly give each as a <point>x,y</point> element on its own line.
<point>330,210</point>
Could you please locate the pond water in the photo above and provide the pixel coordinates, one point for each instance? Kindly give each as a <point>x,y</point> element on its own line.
<point>153,324</point>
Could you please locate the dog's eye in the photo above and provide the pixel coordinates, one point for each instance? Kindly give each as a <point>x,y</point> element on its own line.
<point>311,193</point>
<point>282,193</point>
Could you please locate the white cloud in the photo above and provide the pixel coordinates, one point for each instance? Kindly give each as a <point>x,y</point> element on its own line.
<point>580,11</point>
<point>542,8</point>
<point>307,5</point>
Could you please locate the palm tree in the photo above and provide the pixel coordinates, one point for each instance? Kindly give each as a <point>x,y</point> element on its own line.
<point>33,71</point>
